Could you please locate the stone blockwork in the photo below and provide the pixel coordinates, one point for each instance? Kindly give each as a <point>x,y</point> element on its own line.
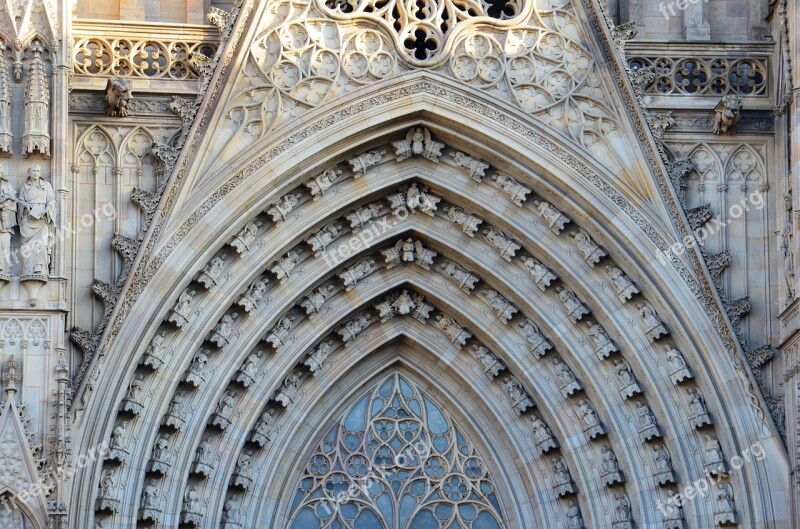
<point>538,263</point>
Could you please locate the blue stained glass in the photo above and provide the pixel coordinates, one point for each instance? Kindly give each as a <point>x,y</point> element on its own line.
<point>404,466</point>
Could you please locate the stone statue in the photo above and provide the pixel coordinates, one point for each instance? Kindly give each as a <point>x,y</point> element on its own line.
<point>364,161</point>
<point>520,399</point>
<point>316,360</point>
<point>350,330</point>
<point>469,223</point>
<point>245,238</point>
<point>322,182</point>
<point>149,509</point>
<point>290,388</point>
<point>418,142</point>
<point>589,416</point>
<point>475,169</point>
<point>504,244</point>
<point>192,514</point>
<point>574,517</point>
<point>247,373</point>
<point>623,286</point>
<point>568,384</point>
<point>317,298</point>
<point>230,514</point>
<point>320,240</point>
<point>501,307</point>
<point>663,464</point>
<point>106,499</point>
<point>37,223</point>
<point>576,310</point>
<point>281,209</point>
<point>458,335</point>
<point>262,432</point>
<point>422,200</point>
<point>8,219</point>
<point>787,249</point>
<point>152,355</point>
<point>133,401</point>
<point>627,382</point>
<point>203,458</point>
<point>592,253</point>
<point>118,451</point>
<point>460,276</point>
<point>554,219</point>
<point>198,369</point>
<point>160,460</point>
<point>648,426</point>
<point>727,113</point>
<point>491,364</point>
<point>622,511</point>
<point>698,413</point>
<point>277,337</point>
<point>603,346</point>
<point>223,330</point>
<point>678,370</point>
<point>357,272</point>
<point>562,480</point>
<point>254,294</point>
<point>611,472</point>
<point>118,96</point>
<point>362,216</point>
<point>244,469</point>
<point>179,315</point>
<point>653,326</point>
<point>542,435</point>
<point>176,413</point>
<point>515,191</point>
<point>714,460</point>
<point>537,343</point>
<point>283,268</point>
<point>542,276</point>
<point>724,507</point>
<point>221,417</point>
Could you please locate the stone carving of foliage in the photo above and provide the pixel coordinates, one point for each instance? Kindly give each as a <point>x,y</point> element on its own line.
<point>409,451</point>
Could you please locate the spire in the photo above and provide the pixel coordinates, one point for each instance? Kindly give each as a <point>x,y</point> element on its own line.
<point>11,376</point>
<point>6,136</point>
<point>36,118</point>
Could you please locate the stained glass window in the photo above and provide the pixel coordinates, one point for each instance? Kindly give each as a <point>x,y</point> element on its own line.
<point>395,460</point>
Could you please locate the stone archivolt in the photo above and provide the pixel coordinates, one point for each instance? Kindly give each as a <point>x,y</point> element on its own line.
<point>313,343</point>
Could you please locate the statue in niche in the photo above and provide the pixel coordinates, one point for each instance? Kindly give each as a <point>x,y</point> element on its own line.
<point>574,516</point>
<point>672,512</point>
<point>321,183</point>
<point>501,307</point>
<point>622,511</point>
<point>475,169</point>
<point>221,418</point>
<point>179,315</point>
<point>357,272</point>
<point>247,373</point>
<point>554,219</point>
<point>281,209</point>
<point>698,413</point>
<point>290,388</point>
<point>118,96</point>
<point>245,238</point>
<point>198,369</point>
<point>504,244</point>
<point>542,435</point>
<point>176,414</point>
<point>678,370</point>
<point>8,219</point>
<point>627,382</point>
<point>192,514</point>
<point>359,218</point>
<point>491,364</point>
<point>316,360</point>
<point>231,516</point>
<point>458,335</point>
<point>350,330</point>
<point>244,469</point>
<point>567,382</point>
<point>653,326</point>
<point>209,276</point>
<point>469,223</point>
<point>203,458</point>
<point>592,253</point>
<point>589,416</point>
<point>663,464</point>
<point>603,346</point>
<point>724,508</point>
<point>576,310</point>
<point>611,472</point>
<point>118,450</point>
<point>107,500</point>
<point>160,460</point>
<point>361,163</point>
<point>262,432</point>
<point>624,287</point>
<point>152,355</point>
<point>279,334</point>
<point>542,276</point>
<point>255,293</point>
<point>283,268</point>
<point>133,401</point>
<point>37,223</point>
<point>149,509</point>
<point>421,200</point>
<point>714,460</point>
<point>418,142</point>
<point>515,191</point>
<point>317,298</point>
<point>727,113</point>
<point>648,426</point>
<point>537,343</point>
<point>563,484</point>
<point>321,239</point>
<point>460,276</point>
<point>223,330</point>
<point>520,399</point>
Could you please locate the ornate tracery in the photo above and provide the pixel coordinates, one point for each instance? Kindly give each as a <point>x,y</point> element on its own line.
<point>395,460</point>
